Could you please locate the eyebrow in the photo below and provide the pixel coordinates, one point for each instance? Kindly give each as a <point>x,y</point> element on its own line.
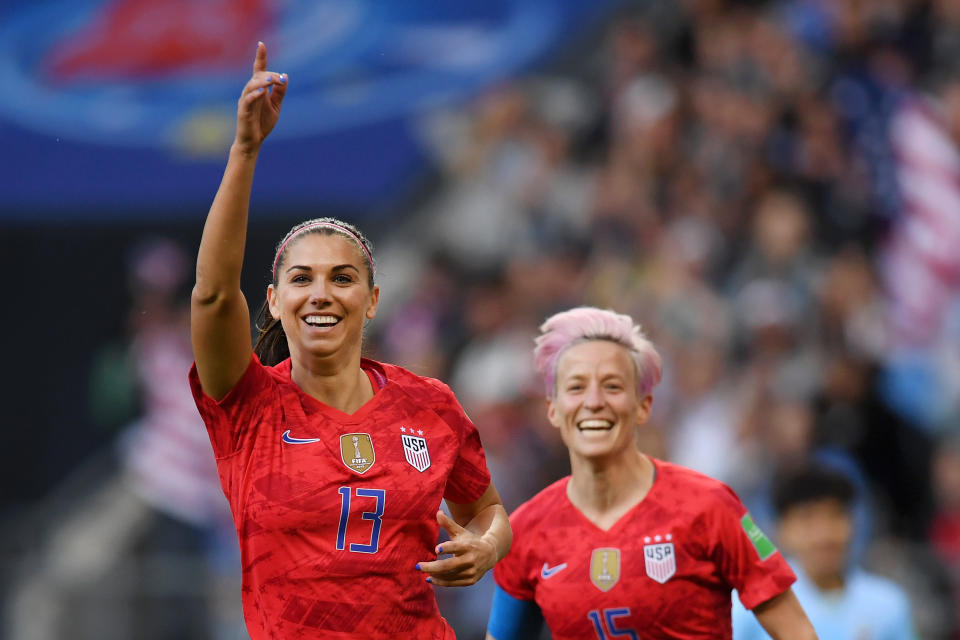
<point>339,267</point>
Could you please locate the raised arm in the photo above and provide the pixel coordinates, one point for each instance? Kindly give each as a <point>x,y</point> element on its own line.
<point>219,317</point>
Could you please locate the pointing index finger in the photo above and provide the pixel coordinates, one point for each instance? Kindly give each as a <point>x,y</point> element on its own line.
<point>260,62</point>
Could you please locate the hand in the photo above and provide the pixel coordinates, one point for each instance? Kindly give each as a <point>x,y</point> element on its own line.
<point>259,106</point>
<point>472,557</point>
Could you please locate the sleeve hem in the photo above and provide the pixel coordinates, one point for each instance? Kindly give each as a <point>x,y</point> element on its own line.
<point>767,589</point>
<point>233,394</point>
<point>510,591</point>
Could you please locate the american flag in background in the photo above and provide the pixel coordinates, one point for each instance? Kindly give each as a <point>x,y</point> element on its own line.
<point>921,263</point>
<point>415,451</point>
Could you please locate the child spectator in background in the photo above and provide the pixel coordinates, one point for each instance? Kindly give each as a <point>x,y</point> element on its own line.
<point>815,523</point>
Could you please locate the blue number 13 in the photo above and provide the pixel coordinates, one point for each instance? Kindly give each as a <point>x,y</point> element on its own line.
<point>374,544</point>
<point>611,630</point>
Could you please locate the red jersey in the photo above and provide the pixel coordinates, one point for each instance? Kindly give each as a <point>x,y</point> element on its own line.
<point>664,570</point>
<point>332,510</point>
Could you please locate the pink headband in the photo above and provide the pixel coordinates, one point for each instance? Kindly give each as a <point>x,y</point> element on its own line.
<point>314,226</point>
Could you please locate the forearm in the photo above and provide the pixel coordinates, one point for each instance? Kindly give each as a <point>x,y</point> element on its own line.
<point>220,258</point>
<point>493,525</point>
<point>480,536</point>
<point>784,619</point>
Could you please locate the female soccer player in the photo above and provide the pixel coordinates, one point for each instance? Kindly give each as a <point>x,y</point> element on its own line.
<point>628,546</point>
<point>334,465</point>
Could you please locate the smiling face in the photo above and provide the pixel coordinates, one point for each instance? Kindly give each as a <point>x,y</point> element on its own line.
<point>322,296</point>
<point>595,405</point>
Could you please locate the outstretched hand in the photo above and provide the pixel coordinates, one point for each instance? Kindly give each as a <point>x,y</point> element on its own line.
<point>259,106</point>
<point>472,556</point>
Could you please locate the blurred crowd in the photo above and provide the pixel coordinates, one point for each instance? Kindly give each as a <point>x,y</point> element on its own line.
<point>726,173</point>
<point>729,174</point>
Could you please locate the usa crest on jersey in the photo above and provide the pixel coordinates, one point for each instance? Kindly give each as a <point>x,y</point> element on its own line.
<point>356,451</point>
<point>416,452</point>
<point>605,568</point>
<point>660,559</point>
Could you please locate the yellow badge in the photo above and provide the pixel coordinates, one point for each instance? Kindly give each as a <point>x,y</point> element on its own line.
<point>605,568</point>
<point>356,451</point>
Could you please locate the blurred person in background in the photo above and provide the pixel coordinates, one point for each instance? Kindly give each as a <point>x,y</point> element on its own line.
<point>663,546</point>
<point>945,525</point>
<point>298,421</point>
<point>153,542</point>
<point>815,523</point>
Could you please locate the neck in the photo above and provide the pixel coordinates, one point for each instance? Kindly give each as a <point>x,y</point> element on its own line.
<point>334,380</point>
<point>604,490</point>
<point>828,582</point>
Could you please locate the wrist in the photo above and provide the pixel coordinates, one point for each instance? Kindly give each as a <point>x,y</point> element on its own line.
<point>244,151</point>
<point>491,539</point>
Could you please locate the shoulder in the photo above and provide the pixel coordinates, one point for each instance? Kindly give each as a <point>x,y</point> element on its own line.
<point>416,386</point>
<point>255,381</point>
<point>706,503</point>
<point>683,480</point>
<point>540,507</point>
<point>279,373</point>
<point>886,594</point>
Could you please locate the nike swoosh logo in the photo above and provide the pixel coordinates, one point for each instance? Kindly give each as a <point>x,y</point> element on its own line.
<point>291,440</point>
<point>548,572</point>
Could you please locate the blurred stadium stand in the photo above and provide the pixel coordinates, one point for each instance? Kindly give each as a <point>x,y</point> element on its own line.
<point>771,187</point>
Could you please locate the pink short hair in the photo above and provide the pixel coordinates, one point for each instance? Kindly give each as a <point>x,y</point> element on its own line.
<point>581,324</point>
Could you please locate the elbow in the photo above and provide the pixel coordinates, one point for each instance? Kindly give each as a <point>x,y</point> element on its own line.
<point>508,535</point>
<point>205,295</point>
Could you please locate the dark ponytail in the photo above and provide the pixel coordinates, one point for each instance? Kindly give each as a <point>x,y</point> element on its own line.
<point>271,345</point>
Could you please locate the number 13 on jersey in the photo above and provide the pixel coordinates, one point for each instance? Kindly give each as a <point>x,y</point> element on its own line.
<point>380,495</point>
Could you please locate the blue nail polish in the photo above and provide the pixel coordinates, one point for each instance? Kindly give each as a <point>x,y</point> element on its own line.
<point>418,566</point>
<point>429,580</point>
<point>282,79</point>
<point>439,550</point>
<point>270,89</point>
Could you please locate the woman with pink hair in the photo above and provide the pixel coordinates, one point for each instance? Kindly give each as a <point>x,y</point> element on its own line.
<point>628,546</point>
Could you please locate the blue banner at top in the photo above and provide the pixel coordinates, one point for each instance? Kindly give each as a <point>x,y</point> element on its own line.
<point>126,107</point>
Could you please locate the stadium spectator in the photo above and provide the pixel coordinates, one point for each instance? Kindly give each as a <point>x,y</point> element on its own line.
<point>815,526</point>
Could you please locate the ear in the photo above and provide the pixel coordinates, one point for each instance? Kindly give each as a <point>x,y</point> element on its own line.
<point>552,414</point>
<point>374,302</point>
<point>273,302</point>
<point>643,409</point>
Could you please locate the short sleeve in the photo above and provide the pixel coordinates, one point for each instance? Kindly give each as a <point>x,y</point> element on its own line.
<point>513,619</point>
<point>513,574</point>
<point>469,477</point>
<point>230,420</point>
<point>746,558</point>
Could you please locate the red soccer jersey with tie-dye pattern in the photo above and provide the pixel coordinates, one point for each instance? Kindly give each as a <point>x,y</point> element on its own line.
<point>664,570</point>
<point>333,510</point>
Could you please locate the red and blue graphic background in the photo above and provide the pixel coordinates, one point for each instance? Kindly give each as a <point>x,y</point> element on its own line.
<point>125,108</point>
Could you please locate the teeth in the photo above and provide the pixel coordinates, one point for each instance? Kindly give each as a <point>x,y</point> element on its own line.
<point>595,424</point>
<point>321,321</point>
